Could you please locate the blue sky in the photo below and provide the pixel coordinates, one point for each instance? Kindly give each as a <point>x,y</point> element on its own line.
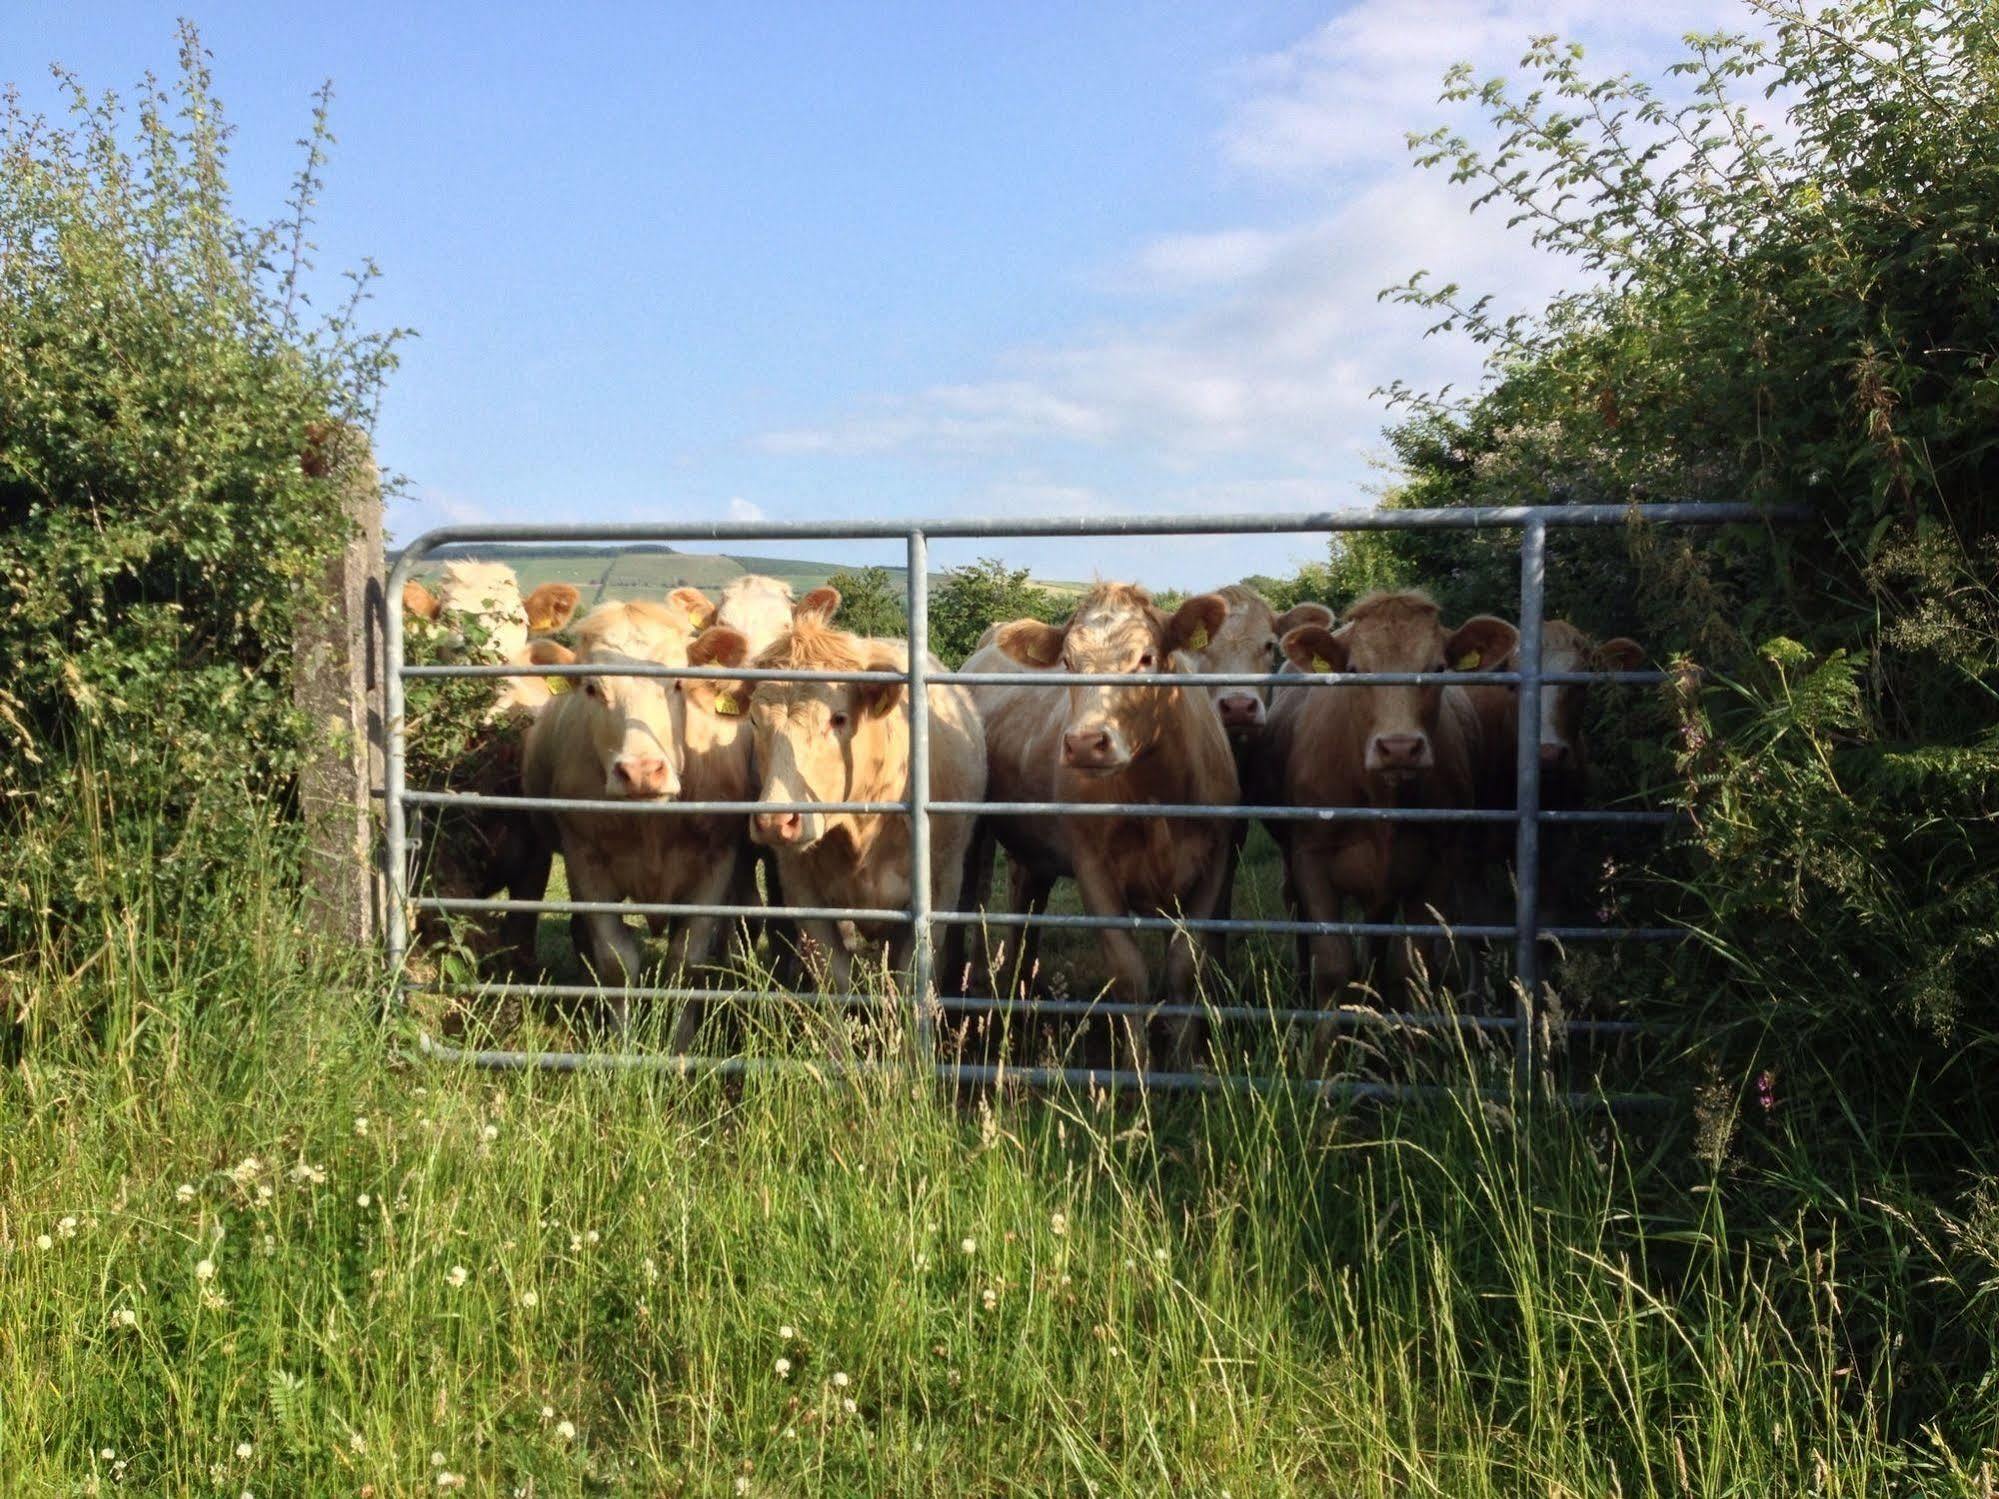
<point>841,259</point>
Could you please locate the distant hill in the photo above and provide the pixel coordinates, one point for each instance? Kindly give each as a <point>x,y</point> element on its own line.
<point>651,569</point>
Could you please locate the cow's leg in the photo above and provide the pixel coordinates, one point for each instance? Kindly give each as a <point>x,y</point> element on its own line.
<point>1184,949</point>
<point>526,880</point>
<point>1027,895</point>
<point>613,948</point>
<point>693,939</point>
<point>1332,954</point>
<point>1217,943</point>
<point>1123,960</point>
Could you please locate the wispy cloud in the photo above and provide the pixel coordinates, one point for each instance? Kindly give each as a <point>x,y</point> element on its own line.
<point>1268,340</point>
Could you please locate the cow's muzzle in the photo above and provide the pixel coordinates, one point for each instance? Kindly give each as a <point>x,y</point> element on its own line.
<point>647,776</point>
<point>783,830</point>
<point>1399,753</point>
<point>1096,750</point>
<point>1241,711</point>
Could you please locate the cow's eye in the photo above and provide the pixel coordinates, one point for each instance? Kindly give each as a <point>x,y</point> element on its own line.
<point>839,720</point>
<point>1146,660</point>
<point>591,689</point>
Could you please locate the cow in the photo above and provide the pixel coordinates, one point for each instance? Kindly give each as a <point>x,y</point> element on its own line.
<point>1246,642</point>
<point>485,597</point>
<point>1372,745</point>
<point>840,742</point>
<point>479,852</point>
<point>1147,740</point>
<point>757,607</point>
<point>1564,750</point>
<point>641,739</point>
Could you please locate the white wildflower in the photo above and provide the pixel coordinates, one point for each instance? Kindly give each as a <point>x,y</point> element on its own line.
<point>990,1297</point>
<point>437,1459</point>
<point>548,1413</point>
<point>43,1241</point>
<point>205,1270</point>
<point>244,1451</point>
<point>566,1430</point>
<point>969,1246</point>
<point>127,1317</point>
<point>530,1300</point>
<point>787,1332</point>
<point>363,1200</point>
<point>67,1227</point>
<point>839,1381</point>
<point>184,1192</point>
<point>1161,1255</point>
<point>783,1367</point>
<point>1058,1224</point>
<point>361,1124</point>
<point>490,1133</point>
<point>458,1275</point>
<point>848,1406</point>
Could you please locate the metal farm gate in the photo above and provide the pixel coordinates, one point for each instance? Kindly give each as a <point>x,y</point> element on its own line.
<point>1526,931</point>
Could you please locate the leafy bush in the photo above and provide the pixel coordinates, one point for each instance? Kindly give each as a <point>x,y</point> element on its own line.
<point>1802,318</point>
<point>170,412</point>
<point>869,603</point>
<point>985,593</point>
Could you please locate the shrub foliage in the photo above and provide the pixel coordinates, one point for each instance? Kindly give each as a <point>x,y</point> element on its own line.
<point>169,401</point>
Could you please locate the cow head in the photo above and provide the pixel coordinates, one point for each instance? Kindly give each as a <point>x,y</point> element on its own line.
<point>716,711</point>
<point>1399,632</point>
<point>824,741</point>
<point>1247,642</point>
<point>1116,628</point>
<point>635,725</point>
<point>759,607</point>
<point>1565,648</point>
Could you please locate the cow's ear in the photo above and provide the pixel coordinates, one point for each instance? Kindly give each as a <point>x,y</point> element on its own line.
<point>694,604</point>
<point>1480,644</point>
<point>1030,642</point>
<point>822,603</point>
<point>550,606</point>
<point>420,601</point>
<point>1620,654</point>
<point>1314,648</point>
<point>719,646</point>
<point>1195,622</point>
<point>550,653</point>
<point>1300,615</point>
<point>879,699</point>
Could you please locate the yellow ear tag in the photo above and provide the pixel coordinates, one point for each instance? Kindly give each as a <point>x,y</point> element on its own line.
<point>1468,661</point>
<point>1198,641</point>
<point>1320,663</point>
<point>557,684</point>
<point>726,704</point>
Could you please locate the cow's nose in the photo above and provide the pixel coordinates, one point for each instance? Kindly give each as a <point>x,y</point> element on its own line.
<point>1556,756</point>
<point>640,775</point>
<point>1086,746</point>
<point>779,827</point>
<point>1240,710</point>
<point>1400,749</point>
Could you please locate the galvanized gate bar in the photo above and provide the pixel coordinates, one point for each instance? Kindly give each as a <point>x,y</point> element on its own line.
<point>1527,800</point>
<point>1525,931</point>
<point>1018,809</point>
<point>985,528</point>
<point>923,956</point>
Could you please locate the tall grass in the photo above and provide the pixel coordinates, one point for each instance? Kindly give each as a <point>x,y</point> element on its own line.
<point>246,1245</point>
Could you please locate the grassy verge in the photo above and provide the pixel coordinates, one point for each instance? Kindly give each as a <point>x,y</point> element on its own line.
<point>246,1247</point>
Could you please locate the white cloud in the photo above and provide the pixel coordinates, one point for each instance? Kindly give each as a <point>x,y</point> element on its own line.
<point>745,511</point>
<point>1260,345</point>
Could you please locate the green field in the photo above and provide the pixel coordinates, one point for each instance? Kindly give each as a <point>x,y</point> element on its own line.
<point>250,1242</point>
<point>649,571</point>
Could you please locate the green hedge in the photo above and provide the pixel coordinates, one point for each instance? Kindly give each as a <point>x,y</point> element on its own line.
<point>166,394</point>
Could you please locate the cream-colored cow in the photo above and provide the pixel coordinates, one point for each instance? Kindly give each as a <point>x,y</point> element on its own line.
<point>841,742</point>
